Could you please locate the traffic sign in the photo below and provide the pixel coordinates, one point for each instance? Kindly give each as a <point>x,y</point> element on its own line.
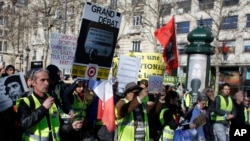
<point>91,71</point>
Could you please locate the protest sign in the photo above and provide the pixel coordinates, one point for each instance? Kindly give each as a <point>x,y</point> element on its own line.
<point>199,120</point>
<point>62,50</point>
<point>97,40</point>
<point>128,70</point>
<point>155,84</point>
<point>13,86</point>
<point>151,64</point>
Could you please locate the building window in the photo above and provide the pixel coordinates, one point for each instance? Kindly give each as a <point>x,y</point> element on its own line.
<point>3,46</point>
<point>1,6</point>
<point>181,48</point>
<point>183,27</point>
<point>34,55</point>
<point>136,46</point>
<point>5,33</point>
<point>137,20</point>
<point>206,4</point>
<point>184,6</point>
<point>58,30</point>
<point>2,20</point>
<point>229,22</point>
<point>246,45</point>
<point>230,45</point>
<point>207,23</point>
<point>135,2</point>
<point>230,2</point>
<point>114,4</point>
<point>1,33</point>
<point>248,20</point>
<point>165,9</point>
<point>35,32</point>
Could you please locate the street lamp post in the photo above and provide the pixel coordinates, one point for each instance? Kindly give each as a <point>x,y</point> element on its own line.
<point>65,16</point>
<point>27,49</point>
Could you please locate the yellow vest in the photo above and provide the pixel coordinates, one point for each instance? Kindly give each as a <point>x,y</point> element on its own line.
<point>79,107</point>
<point>40,131</point>
<point>225,107</point>
<point>168,133</point>
<point>126,126</point>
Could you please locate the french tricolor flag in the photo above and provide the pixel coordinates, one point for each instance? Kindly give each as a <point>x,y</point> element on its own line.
<point>106,110</point>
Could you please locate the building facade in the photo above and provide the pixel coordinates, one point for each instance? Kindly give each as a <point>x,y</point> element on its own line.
<point>27,38</point>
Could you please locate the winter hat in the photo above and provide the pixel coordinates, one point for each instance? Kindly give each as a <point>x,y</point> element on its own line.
<point>131,86</point>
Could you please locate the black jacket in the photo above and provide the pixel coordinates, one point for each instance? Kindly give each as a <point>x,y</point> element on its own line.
<point>239,118</point>
<point>29,116</point>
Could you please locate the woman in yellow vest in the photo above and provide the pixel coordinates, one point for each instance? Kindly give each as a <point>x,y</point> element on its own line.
<point>78,105</point>
<point>38,114</point>
<point>131,114</point>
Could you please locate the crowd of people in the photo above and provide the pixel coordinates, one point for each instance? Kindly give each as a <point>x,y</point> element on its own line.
<point>54,109</point>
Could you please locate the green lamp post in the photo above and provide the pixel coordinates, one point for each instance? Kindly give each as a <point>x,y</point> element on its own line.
<point>198,64</point>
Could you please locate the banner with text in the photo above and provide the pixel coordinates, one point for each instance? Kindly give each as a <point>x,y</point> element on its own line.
<point>97,40</point>
<point>151,64</point>
<point>62,50</point>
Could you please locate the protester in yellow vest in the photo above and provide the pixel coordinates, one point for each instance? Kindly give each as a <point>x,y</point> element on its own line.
<point>131,114</point>
<point>223,114</point>
<point>38,114</point>
<point>170,116</point>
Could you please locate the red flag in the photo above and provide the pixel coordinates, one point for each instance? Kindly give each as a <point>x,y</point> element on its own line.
<point>167,37</point>
<point>224,48</point>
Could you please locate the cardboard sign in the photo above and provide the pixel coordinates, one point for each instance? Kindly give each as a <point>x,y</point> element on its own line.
<point>97,40</point>
<point>200,120</point>
<point>13,86</point>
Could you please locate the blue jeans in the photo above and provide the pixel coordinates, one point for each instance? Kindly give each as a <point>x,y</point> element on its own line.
<point>221,132</point>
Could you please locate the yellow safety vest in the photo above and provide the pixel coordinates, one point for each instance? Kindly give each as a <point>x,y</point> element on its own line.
<point>246,114</point>
<point>79,107</point>
<point>225,107</point>
<point>126,126</point>
<point>187,100</point>
<point>40,131</point>
<point>168,133</point>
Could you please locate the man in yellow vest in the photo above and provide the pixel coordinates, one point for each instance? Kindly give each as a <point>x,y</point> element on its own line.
<point>223,114</point>
<point>38,114</point>
<point>131,114</point>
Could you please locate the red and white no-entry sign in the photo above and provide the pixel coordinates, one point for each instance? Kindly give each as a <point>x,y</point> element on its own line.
<point>91,72</point>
